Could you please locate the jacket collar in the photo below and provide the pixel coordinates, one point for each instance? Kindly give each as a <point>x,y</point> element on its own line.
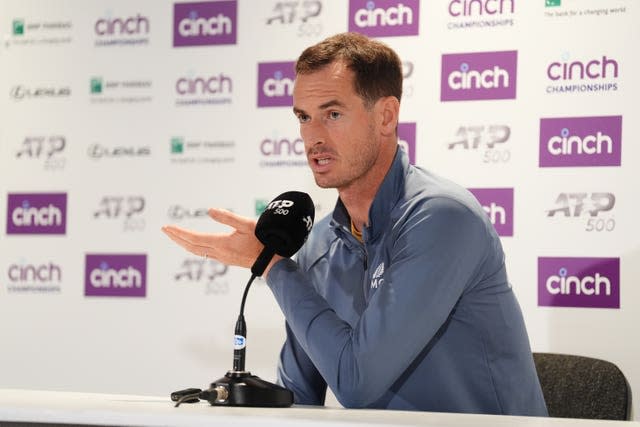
<point>386,198</point>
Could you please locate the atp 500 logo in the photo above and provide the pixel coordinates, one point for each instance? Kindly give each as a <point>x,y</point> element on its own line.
<point>208,271</point>
<point>487,140</point>
<point>597,207</point>
<point>303,14</point>
<point>46,148</point>
<point>126,208</point>
<point>280,207</point>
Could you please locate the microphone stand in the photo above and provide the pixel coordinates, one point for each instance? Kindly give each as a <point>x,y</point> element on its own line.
<point>239,387</point>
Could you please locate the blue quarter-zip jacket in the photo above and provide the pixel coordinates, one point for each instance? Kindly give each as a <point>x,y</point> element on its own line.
<point>420,316</point>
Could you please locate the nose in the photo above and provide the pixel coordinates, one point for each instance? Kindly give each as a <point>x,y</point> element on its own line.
<point>313,134</point>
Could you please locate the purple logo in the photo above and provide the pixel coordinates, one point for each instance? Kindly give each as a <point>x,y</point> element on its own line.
<point>109,275</point>
<point>282,147</point>
<point>32,273</point>
<point>467,8</point>
<point>478,76</point>
<point>601,68</point>
<point>35,277</point>
<point>282,152</point>
<point>205,23</point>
<point>384,18</point>
<point>407,140</point>
<point>275,84</point>
<point>37,213</point>
<point>579,282</point>
<point>131,25</point>
<point>209,85</point>
<point>580,141</point>
<point>498,204</point>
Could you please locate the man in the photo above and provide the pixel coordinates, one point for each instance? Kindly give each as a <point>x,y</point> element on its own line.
<point>400,298</point>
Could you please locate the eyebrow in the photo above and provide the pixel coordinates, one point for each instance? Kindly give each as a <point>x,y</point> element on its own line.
<point>328,104</point>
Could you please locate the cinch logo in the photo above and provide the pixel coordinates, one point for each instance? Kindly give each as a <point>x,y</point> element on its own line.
<point>275,84</point>
<point>600,68</point>
<point>498,204</point>
<point>469,8</point>
<point>30,273</point>
<point>282,152</point>
<point>478,76</point>
<point>122,26</point>
<point>579,282</point>
<point>282,147</point>
<point>115,275</point>
<point>407,140</point>
<point>205,23</point>
<point>581,141</point>
<point>204,85</point>
<point>384,18</point>
<point>37,213</point>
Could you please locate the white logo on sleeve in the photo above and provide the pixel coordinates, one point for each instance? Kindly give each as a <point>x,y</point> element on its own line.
<point>377,279</point>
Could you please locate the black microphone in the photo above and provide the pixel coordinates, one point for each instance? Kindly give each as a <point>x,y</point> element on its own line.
<point>283,227</point>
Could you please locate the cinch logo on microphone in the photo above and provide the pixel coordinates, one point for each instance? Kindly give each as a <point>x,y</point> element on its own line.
<point>479,76</point>
<point>579,282</point>
<point>205,23</point>
<point>498,204</point>
<point>37,213</point>
<point>275,84</point>
<point>407,140</point>
<point>581,141</point>
<point>111,275</point>
<point>384,18</point>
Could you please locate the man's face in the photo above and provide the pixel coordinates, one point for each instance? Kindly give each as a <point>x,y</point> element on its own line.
<point>339,133</point>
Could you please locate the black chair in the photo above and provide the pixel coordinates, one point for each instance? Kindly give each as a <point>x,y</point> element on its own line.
<point>582,387</point>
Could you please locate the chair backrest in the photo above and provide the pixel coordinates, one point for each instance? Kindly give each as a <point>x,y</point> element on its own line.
<point>582,387</point>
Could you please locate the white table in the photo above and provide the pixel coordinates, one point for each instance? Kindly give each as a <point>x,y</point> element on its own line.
<point>126,410</point>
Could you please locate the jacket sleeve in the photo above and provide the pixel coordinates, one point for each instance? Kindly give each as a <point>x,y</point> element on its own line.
<point>435,256</point>
<point>297,373</point>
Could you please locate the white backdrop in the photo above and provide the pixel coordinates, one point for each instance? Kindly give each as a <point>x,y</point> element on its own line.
<point>139,126</point>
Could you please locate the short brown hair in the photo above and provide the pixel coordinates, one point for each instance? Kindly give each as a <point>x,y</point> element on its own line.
<point>377,68</point>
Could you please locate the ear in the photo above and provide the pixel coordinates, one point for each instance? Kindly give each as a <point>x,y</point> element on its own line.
<point>389,111</point>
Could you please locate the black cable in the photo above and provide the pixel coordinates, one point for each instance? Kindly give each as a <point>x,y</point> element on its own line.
<point>246,291</point>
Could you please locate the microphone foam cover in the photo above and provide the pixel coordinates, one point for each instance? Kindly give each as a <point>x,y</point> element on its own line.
<point>286,222</point>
